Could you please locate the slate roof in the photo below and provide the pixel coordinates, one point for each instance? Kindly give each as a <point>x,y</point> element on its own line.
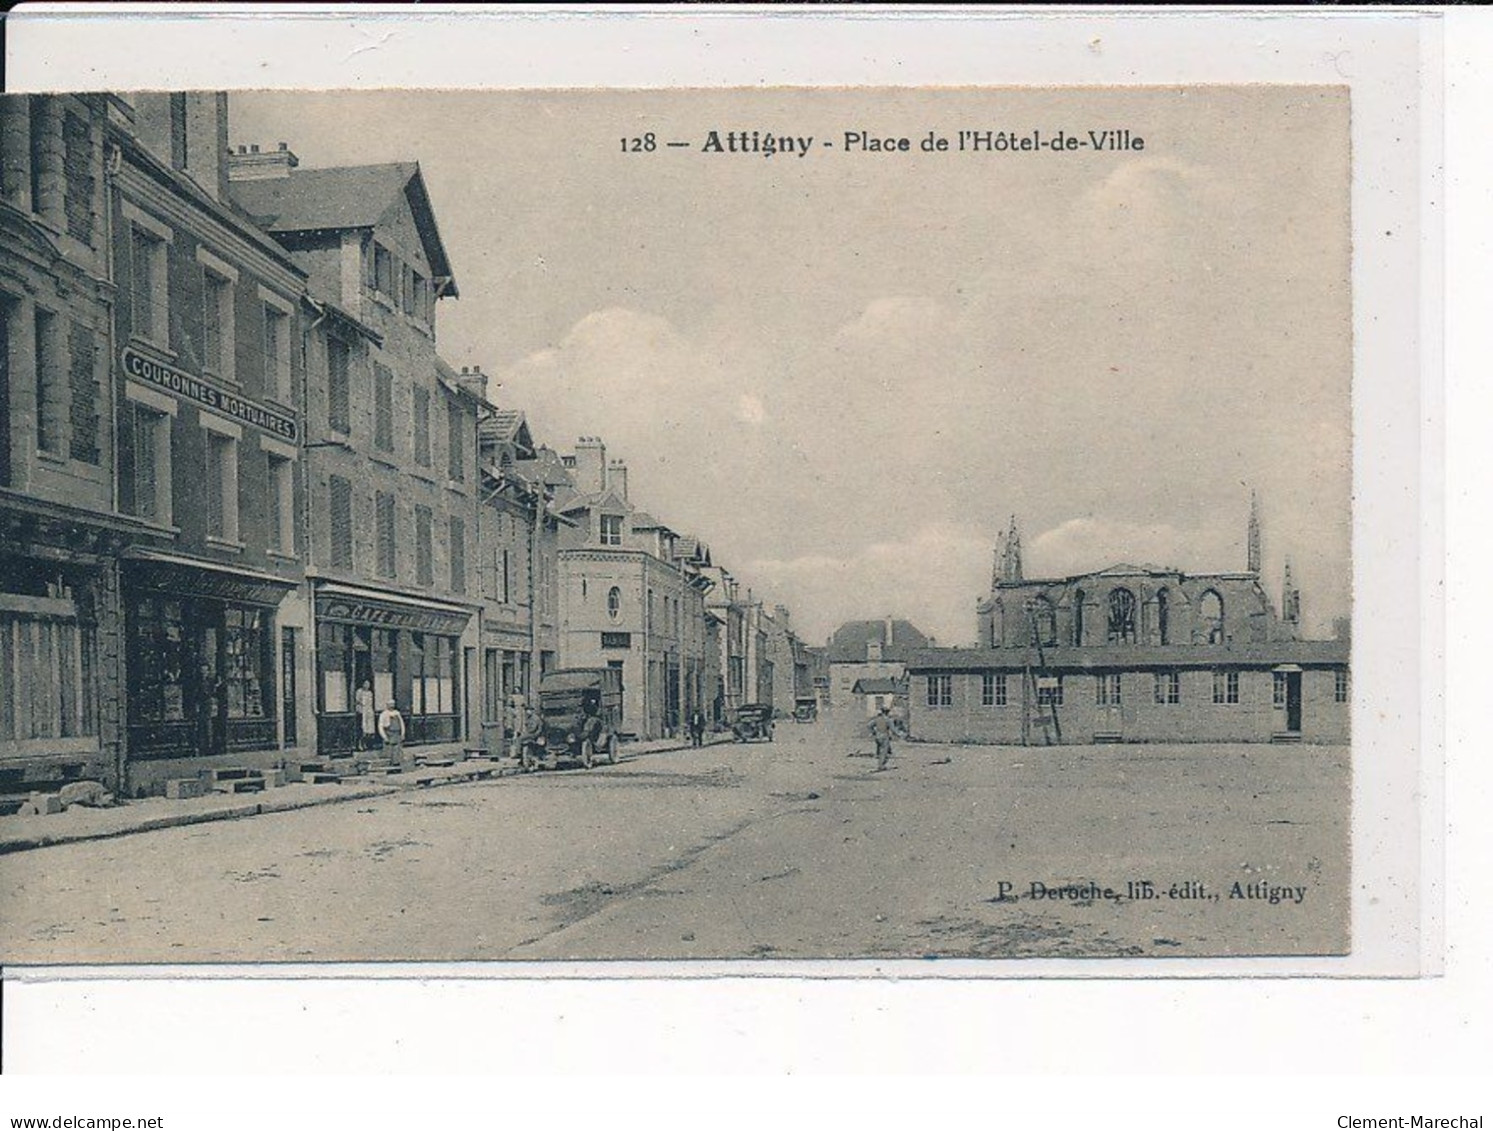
<point>848,644</point>
<point>507,426</point>
<point>346,196</point>
<point>878,686</point>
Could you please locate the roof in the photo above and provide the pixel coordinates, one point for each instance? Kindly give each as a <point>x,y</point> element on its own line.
<point>346,196</point>
<point>595,499</point>
<point>507,426</point>
<point>1108,657</point>
<point>883,686</point>
<point>545,468</point>
<point>848,644</point>
<point>642,520</point>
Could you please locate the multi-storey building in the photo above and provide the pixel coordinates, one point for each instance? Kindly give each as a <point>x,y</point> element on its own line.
<point>207,384</point>
<point>61,636</point>
<point>869,649</point>
<point>628,599</point>
<point>391,452</point>
<point>1134,654</point>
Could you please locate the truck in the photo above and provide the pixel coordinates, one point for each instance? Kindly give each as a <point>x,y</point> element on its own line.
<point>580,713</point>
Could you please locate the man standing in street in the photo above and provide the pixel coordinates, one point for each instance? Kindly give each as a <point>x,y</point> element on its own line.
<point>881,731</point>
<point>697,727</point>
<point>391,731</point>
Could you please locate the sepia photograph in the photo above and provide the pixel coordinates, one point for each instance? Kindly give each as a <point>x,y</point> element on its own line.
<point>721,524</point>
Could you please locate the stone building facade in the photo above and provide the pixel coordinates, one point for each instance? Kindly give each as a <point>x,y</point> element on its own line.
<point>1134,654</point>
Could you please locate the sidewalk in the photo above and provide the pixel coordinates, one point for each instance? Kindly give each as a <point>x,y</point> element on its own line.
<point>80,823</point>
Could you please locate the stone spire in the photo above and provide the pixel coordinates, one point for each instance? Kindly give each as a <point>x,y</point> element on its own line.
<point>998,566</point>
<point>1290,598</point>
<point>1011,565</point>
<point>1254,534</point>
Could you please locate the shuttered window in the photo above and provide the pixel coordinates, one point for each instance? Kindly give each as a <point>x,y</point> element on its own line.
<point>456,431</point>
<point>49,377</point>
<point>339,408</point>
<point>424,564</point>
<point>383,408</point>
<point>384,522</point>
<point>83,443</point>
<point>78,185</point>
<point>43,684</point>
<point>422,427</point>
<point>458,555</point>
<point>342,522</point>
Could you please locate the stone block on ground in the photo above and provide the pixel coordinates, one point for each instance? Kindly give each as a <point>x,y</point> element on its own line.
<point>274,779</point>
<point>181,789</point>
<point>90,793</point>
<point>41,805</point>
<point>239,785</point>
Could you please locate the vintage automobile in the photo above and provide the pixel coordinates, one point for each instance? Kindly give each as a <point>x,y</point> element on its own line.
<point>580,710</point>
<point>805,709</point>
<point>752,721</point>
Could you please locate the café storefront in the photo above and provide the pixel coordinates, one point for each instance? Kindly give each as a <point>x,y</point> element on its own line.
<point>401,649</point>
<point>202,672</point>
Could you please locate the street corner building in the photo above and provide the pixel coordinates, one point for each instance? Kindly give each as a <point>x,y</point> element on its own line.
<point>1134,654</point>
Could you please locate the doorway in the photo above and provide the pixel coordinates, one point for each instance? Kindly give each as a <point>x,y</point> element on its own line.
<point>1293,702</point>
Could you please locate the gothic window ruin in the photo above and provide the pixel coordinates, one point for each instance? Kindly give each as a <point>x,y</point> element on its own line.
<point>1045,621</point>
<point>1163,613</point>
<point>1121,617</point>
<point>1210,617</point>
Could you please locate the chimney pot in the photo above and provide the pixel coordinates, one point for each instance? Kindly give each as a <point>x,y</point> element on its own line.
<point>283,147</point>
<point>253,149</point>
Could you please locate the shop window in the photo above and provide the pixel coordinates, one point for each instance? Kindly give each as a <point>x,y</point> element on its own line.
<point>339,388</point>
<point>50,377</point>
<point>422,426</point>
<point>1340,686</point>
<point>424,556</point>
<point>221,480</point>
<point>281,502</point>
<point>940,691</point>
<point>163,664</point>
<point>247,663</point>
<point>384,533</point>
<point>152,470</point>
<point>340,506</point>
<point>458,555</point>
<point>1107,690</point>
<point>1168,688</point>
<point>432,674</point>
<point>611,530</point>
<point>78,178</point>
<point>277,353</point>
<point>148,286</point>
<point>83,417</point>
<point>44,691</point>
<point>1225,687</point>
<point>383,408</point>
<point>1210,617</point>
<point>1121,616</point>
<point>334,657</point>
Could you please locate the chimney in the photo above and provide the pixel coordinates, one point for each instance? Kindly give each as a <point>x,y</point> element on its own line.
<point>617,477</point>
<point>590,465</point>
<point>189,132</point>
<point>247,163</point>
<point>473,380</point>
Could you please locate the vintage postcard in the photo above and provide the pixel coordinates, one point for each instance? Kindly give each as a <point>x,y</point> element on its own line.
<point>714,524</point>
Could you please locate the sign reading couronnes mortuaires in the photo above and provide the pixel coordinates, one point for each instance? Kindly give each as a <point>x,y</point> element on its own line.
<point>148,371</point>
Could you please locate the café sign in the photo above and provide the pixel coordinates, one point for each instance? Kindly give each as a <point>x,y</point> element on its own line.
<point>185,386</point>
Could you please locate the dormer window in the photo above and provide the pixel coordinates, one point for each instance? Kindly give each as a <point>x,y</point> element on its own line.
<point>611,530</point>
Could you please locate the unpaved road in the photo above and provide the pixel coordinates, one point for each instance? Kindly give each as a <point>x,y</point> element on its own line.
<point>788,850</point>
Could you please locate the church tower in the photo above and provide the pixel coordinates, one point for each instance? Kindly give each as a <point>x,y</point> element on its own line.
<point>1254,534</point>
<point>1290,598</point>
<point>1011,562</point>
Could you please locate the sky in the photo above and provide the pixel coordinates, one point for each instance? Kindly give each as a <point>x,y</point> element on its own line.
<point>847,371</point>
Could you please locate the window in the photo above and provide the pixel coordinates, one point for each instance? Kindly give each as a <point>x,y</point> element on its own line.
<point>616,640</point>
<point>458,555</point>
<point>648,620</point>
<point>940,691</point>
<point>152,470</point>
<point>383,521</point>
<point>1078,604</point>
<point>614,602</point>
<point>341,518</point>
<point>247,663</point>
<point>433,675</point>
<point>987,690</point>
<point>1050,691</point>
<point>383,270</point>
<point>611,530</point>
<point>1210,617</point>
<point>1121,616</point>
<point>383,408</point>
<point>422,297</point>
<point>1168,688</point>
<point>407,291</point>
<point>339,405</point>
<point>1107,689</point>
<point>501,575</point>
<point>424,560</point>
<point>1044,621</point>
<point>83,419</point>
<point>277,353</point>
<point>1226,687</point>
<point>49,384</point>
<point>221,479</point>
<point>1278,690</point>
<point>281,503</point>
<point>148,301</point>
<point>422,426</point>
<point>78,179</point>
<point>1340,685</point>
<point>1163,617</point>
<point>456,442</point>
<point>217,324</point>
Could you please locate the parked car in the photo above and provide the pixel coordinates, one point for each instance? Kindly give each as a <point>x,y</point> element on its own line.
<point>805,710</point>
<point>580,710</point>
<point>752,721</point>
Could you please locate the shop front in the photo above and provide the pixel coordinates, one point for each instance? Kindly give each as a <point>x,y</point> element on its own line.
<point>397,649</point>
<point>201,641</point>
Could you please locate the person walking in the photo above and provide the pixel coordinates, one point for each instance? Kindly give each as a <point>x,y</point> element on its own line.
<point>367,715</point>
<point>391,732</point>
<point>881,731</point>
<point>697,727</point>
